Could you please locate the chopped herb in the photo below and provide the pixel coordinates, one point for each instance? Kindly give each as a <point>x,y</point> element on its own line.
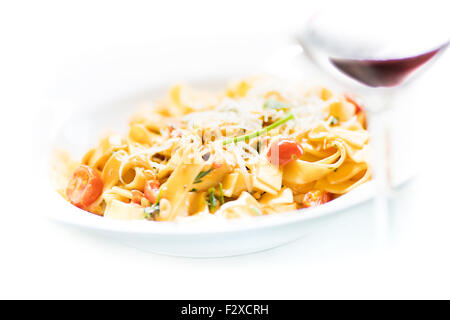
<point>199,177</point>
<point>274,104</point>
<point>258,133</point>
<point>256,211</point>
<point>334,120</point>
<point>221,199</point>
<point>212,202</point>
<point>335,169</point>
<point>158,197</point>
<point>150,213</point>
<point>258,146</point>
<point>193,190</point>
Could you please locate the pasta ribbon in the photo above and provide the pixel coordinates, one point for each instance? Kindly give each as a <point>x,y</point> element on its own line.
<point>260,146</point>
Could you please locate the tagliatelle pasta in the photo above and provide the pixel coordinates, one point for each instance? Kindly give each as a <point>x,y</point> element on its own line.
<point>259,147</point>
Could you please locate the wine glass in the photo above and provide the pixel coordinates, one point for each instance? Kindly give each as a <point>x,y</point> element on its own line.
<point>376,52</point>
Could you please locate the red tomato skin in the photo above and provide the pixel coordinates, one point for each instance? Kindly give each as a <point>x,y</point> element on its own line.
<point>151,190</point>
<point>216,165</point>
<point>284,151</point>
<point>137,196</point>
<point>358,108</point>
<point>316,198</point>
<point>84,187</point>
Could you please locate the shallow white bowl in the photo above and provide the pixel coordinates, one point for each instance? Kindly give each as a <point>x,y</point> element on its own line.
<point>83,125</point>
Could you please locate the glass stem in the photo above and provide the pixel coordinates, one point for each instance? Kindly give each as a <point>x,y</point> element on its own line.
<point>381,164</point>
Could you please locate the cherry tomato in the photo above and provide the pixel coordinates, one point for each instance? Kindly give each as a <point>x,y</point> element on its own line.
<point>284,151</point>
<point>316,198</point>
<point>151,190</point>
<point>84,187</point>
<point>136,196</point>
<point>358,108</point>
<point>216,165</point>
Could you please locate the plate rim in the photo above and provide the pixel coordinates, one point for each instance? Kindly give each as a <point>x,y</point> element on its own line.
<point>72,214</point>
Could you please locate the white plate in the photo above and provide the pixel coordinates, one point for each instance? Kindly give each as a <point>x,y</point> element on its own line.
<point>83,125</point>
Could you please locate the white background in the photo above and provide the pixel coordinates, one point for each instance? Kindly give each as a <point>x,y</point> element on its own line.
<point>43,45</point>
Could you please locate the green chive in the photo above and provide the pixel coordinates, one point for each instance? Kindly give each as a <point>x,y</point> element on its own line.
<point>199,177</point>
<point>221,198</point>
<point>258,133</point>
<point>212,202</point>
<point>158,197</point>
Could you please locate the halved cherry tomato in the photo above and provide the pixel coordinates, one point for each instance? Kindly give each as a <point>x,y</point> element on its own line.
<point>216,165</point>
<point>84,187</point>
<point>136,196</point>
<point>358,108</point>
<point>284,151</point>
<point>316,198</point>
<point>151,190</point>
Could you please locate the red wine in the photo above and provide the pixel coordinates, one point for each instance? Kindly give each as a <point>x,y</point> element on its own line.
<point>382,73</point>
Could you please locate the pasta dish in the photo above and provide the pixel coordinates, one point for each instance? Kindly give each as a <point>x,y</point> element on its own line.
<point>260,146</point>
